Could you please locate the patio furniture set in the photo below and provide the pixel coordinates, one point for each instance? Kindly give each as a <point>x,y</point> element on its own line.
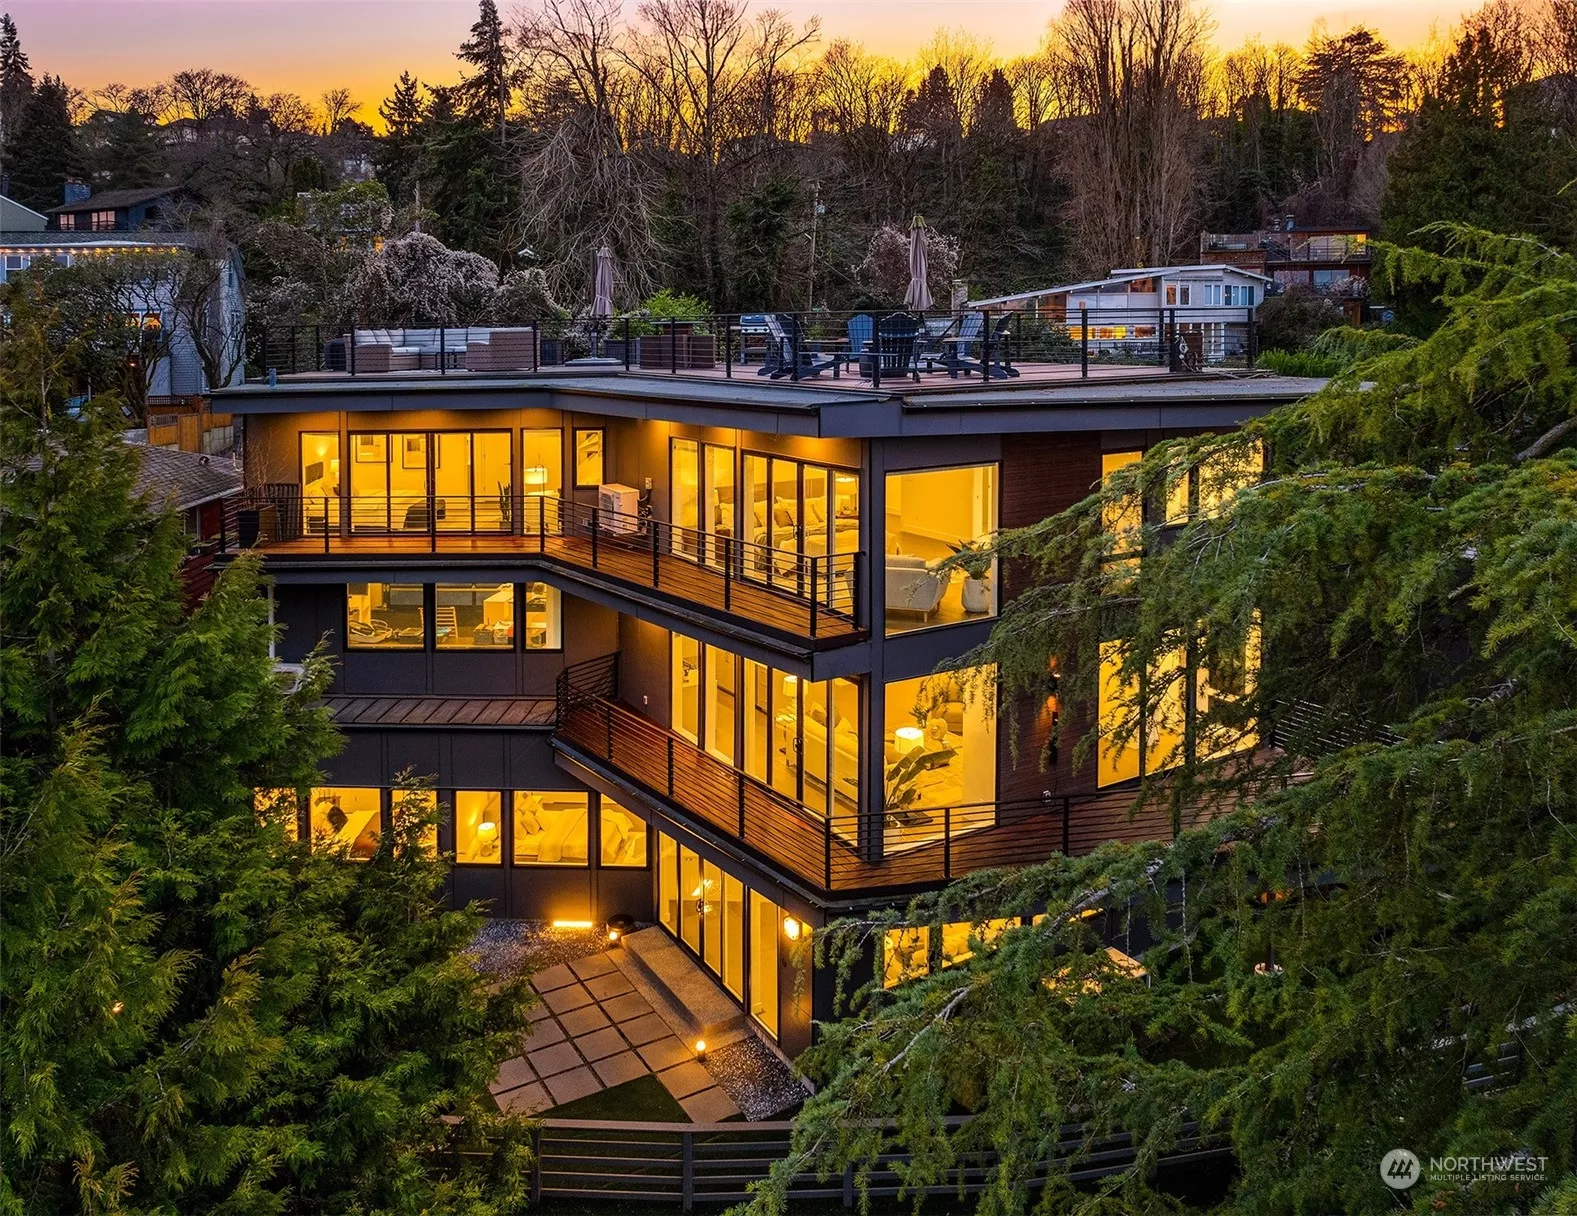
<point>474,349</point>
<point>899,344</point>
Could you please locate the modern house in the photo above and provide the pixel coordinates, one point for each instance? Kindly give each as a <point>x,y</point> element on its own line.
<point>1332,262</point>
<point>1210,309</point>
<point>156,208</point>
<point>666,643</point>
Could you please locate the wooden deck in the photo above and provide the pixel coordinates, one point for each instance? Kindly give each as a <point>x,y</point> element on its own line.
<point>828,856</point>
<point>775,610</point>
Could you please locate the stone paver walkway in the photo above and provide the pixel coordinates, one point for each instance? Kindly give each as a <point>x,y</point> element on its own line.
<point>593,1030</point>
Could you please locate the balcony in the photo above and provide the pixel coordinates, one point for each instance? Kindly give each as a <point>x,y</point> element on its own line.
<point>829,854</point>
<point>795,596</point>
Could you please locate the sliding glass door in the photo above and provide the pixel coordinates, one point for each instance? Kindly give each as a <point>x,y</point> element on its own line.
<point>419,481</point>
<point>800,510</point>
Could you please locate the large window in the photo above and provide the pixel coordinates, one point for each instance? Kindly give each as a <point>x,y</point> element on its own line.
<point>385,616</point>
<point>478,827</point>
<point>551,828</point>
<point>765,917</point>
<point>932,515</point>
<point>541,476</point>
<point>668,882</point>
<point>939,751</point>
<point>797,509</point>
<point>348,818</point>
<point>588,458</point>
<point>320,481</point>
<point>419,481</point>
<point>544,617</point>
<point>469,616</point>
<point>622,839</point>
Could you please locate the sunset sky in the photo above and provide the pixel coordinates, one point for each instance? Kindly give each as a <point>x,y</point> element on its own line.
<point>306,46</point>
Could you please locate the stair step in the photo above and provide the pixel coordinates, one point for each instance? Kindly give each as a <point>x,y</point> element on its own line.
<point>694,1000</point>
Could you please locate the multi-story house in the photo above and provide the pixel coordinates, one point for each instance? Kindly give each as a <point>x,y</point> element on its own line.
<point>1332,262</point>
<point>666,642</point>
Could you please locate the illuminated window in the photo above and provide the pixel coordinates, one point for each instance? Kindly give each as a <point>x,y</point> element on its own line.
<point>668,882</point>
<point>906,953</point>
<point>384,616</point>
<point>103,221</point>
<point>588,458</point>
<point>478,827</point>
<point>932,515</point>
<point>939,751</point>
<point>412,804</point>
<point>1124,519</point>
<point>542,476</point>
<point>551,828</point>
<point>1223,476</point>
<point>348,818</point>
<point>472,616</point>
<point>622,836</point>
<point>1117,753</point>
<point>544,617</point>
<point>1231,680</point>
<point>281,806</point>
<point>956,935</point>
<point>67,222</point>
<point>766,919</point>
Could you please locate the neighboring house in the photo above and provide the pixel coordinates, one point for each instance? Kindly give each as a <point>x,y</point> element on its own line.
<point>191,483</point>
<point>1332,262</point>
<point>179,372</point>
<point>1209,308</point>
<point>664,645</point>
<point>16,218</point>
<point>162,207</point>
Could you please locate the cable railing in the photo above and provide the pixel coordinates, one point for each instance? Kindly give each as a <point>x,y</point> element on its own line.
<point>871,347</point>
<point>876,849</point>
<point>795,590</point>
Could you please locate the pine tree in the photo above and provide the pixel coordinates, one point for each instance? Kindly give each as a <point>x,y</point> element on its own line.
<point>197,1012</point>
<point>399,146</point>
<point>466,180</point>
<point>487,93</point>
<point>131,156</point>
<point>16,78</point>
<point>42,154</point>
<point>1394,899</point>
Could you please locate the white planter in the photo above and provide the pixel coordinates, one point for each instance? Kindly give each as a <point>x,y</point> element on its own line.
<point>976,595</point>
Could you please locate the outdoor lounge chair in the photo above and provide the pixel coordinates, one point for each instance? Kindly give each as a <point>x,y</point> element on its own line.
<point>786,344</point>
<point>897,335</point>
<point>860,331</point>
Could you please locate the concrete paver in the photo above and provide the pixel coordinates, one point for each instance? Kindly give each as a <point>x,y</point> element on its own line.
<point>527,1100</point>
<point>685,1079</point>
<point>664,1053</point>
<point>512,1074</point>
<point>592,964</point>
<point>709,1106</point>
<point>553,977</point>
<point>616,1070</point>
<point>645,1029</point>
<point>606,987</point>
<point>583,1020</point>
<point>600,1043</point>
<point>562,1000</point>
<point>576,1083</point>
<point>550,1060</point>
<point>627,1008</point>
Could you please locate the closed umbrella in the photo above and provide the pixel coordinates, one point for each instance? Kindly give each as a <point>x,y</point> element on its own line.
<point>919,295</point>
<point>602,284</point>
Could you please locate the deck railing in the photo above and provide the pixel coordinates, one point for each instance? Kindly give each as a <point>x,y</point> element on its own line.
<point>872,346</point>
<point>868,850</point>
<point>823,589</point>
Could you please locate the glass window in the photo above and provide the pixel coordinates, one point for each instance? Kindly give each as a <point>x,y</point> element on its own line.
<point>469,616</point>
<point>717,520</point>
<point>1221,477</point>
<point>684,495</point>
<point>552,827</point>
<point>668,882</point>
<point>930,516</point>
<point>906,953</point>
<point>588,458</point>
<point>765,918</point>
<point>541,475</point>
<point>733,974</point>
<point>1124,519</point>
<point>349,818</point>
<point>712,917</point>
<point>939,750</point>
<point>320,481</point>
<point>686,716</point>
<point>623,836</point>
<point>956,935</point>
<point>1116,759</point>
<point>721,678</point>
<point>478,827</point>
<point>803,738</point>
<point>692,902</point>
<point>417,803</point>
<point>544,617</point>
<point>282,805</point>
<point>384,616</point>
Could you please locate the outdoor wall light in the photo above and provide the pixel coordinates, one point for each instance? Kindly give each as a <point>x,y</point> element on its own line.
<point>791,928</point>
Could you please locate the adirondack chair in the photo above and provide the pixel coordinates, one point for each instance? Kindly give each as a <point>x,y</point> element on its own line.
<point>934,347</point>
<point>860,330</point>
<point>955,356</point>
<point>998,352</point>
<point>784,340</point>
<point>897,336</point>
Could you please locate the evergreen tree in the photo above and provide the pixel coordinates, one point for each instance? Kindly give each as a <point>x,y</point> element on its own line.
<point>42,154</point>
<point>1389,897</point>
<point>197,1012</point>
<point>131,157</point>
<point>467,181</point>
<point>486,93</point>
<point>399,146</point>
<point>16,78</point>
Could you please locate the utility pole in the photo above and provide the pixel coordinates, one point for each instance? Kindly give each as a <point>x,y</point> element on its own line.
<point>817,210</point>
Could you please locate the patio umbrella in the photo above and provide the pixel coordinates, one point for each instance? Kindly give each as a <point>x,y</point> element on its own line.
<point>919,295</point>
<point>602,284</point>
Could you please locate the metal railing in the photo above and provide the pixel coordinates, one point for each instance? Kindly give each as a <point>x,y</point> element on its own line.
<point>865,850</point>
<point>870,347</point>
<point>810,593</point>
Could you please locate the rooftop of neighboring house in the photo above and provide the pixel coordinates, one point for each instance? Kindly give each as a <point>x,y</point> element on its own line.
<point>25,239</point>
<point>120,210</point>
<point>183,480</point>
<point>16,218</point>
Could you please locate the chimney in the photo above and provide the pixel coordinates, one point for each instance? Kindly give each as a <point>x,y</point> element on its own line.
<point>76,192</point>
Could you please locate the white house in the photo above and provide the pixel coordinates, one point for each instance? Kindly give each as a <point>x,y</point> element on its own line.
<point>1210,308</point>
<point>180,372</point>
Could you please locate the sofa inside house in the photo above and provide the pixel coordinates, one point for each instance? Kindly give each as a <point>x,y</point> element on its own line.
<point>846,750</point>
<point>474,348</point>
<point>912,584</point>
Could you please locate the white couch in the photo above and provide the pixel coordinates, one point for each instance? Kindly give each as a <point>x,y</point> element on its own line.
<point>846,751</point>
<point>912,585</point>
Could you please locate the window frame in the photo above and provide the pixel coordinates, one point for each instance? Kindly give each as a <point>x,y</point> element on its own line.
<point>602,456</point>
<point>424,646</point>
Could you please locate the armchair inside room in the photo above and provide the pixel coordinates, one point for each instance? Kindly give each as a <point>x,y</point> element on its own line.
<point>912,584</point>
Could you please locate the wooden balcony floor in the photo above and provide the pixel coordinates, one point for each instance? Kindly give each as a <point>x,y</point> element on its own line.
<point>679,577</point>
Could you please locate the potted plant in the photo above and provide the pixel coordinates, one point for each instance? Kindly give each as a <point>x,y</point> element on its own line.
<point>974,558</point>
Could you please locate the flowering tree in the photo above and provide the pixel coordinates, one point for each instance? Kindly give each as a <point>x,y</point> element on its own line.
<point>418,280</point>
<point>884,273</point>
